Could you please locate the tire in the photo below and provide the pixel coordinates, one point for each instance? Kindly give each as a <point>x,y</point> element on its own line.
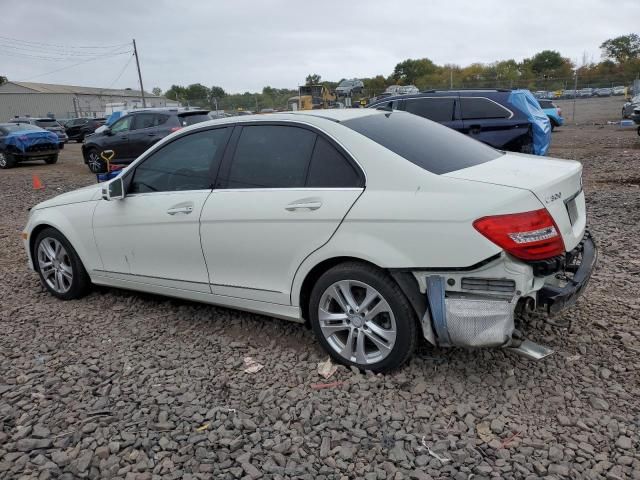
<point>52,159</point>
<point>60,146</point>
<point>379,343</point>
<point>80,139</point>
<point>7,160</point>
<point>59,267</point>
<point>94,162</point>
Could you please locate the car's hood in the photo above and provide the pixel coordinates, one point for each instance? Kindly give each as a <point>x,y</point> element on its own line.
<point>555,182</point>
<point>84,194</point>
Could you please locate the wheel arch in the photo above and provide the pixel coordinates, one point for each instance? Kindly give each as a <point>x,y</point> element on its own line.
<point>403,279</point>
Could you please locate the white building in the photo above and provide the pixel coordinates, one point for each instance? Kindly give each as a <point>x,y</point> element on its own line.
<point>68,101</point>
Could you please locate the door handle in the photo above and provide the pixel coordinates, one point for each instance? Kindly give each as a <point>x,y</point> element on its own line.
<point>175,210</point>
<point>151,134</point>
<point>303,205</point>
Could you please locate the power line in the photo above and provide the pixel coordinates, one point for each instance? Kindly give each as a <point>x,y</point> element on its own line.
<point>58,59</point>
<point>29,51</point>
<point>121,72</point>
<point>71,66</point>
<point>19,41</point>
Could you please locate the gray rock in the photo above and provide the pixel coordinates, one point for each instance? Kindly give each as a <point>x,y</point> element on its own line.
<point>252,471</point>
<point>624,443</point>
<point>556,469</point>
<point>599,403</point>
<point>28,444</point>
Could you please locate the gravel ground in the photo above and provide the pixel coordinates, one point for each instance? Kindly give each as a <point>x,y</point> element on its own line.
<point>132,386</point>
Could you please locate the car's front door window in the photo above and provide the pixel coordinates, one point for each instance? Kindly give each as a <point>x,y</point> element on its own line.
<point>122,125</point>
<point>187,163</point>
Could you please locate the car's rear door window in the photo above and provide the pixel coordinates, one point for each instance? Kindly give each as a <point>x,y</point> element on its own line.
<point>475,108</point>
<point>438,109</point>
<point>187,163</point>
<point>330,169</point>
<point>429,145</point>
<point>271,156</point>
<point>187,119</point>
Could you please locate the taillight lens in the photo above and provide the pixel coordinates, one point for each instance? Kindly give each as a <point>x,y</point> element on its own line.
<point>175,129</point>
<point>528,235</point>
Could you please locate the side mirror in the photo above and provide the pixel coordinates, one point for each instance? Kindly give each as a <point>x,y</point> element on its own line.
<point>108,132</point>
<point>114,190</point>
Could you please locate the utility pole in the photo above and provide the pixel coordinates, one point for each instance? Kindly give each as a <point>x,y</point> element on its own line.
<point>575,94</point>
<point>451,78</point>
<point>135,52</point>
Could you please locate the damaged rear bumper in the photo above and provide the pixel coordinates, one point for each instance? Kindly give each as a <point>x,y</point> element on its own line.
<point>555,298</point>
<point>459,313</point>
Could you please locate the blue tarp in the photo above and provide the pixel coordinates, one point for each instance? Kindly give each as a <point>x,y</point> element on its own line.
<point>524,101</point>
<point>27,138</point>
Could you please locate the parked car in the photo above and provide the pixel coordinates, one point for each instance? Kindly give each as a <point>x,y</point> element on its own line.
<point>628,107</point>
<point>585,92</point>
<point>50,124</point>
<point>408,90</point>
<point>376,227</point>
<point>132,134</point>
<point>602,92</point>
<point>619,90</point>
<point>79,128</point>
<point>552,111</point>
<point>347,88</point>
<point>22,142</point>
<point>569,94</point>
<point>486,115</point>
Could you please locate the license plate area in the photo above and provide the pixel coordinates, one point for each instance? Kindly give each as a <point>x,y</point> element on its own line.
<point>572,208</point>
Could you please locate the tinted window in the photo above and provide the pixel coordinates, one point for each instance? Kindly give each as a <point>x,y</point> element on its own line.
<point>271,156</point>
<point>436,109</point>
<point>122,125</point>
<point>476,108</point>
<point>47,123</point>
<point>429,145</point>
<point>187,163</point>
<point>186,120</point>
<point>329,168</point>
<point>143,120</point>
<point>546,104</point>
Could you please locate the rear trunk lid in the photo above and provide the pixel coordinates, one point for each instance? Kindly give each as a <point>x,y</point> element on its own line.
<point>556,183</point>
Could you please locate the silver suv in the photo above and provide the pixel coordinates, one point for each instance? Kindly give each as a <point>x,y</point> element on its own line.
<point>346,88</point>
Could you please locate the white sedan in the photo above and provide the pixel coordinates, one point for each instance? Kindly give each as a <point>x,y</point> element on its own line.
<point>376,227</point>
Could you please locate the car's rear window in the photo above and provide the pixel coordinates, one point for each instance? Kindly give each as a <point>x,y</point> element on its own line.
<point>429,145</point>
<point>193,118</point>
<point>17,127</point>
<point>546,104</point>
<point>47,123</point>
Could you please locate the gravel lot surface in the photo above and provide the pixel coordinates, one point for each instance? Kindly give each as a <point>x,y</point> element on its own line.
<point>132,386</point>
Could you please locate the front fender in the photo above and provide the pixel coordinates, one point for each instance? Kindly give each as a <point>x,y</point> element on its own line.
<point>79,232</point>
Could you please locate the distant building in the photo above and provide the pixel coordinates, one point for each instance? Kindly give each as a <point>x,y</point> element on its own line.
<point>68,101</point>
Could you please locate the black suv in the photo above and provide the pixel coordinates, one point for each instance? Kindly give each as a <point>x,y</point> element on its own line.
<point>78,128</point>
<point>485,115</point>
<point>132,134</point>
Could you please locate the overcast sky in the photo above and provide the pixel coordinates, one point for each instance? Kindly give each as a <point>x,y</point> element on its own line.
<point>244,45</point>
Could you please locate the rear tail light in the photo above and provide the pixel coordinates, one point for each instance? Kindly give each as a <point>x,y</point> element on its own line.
<point>559,112</point>
<point>528,235</point>
<point>175,129</point>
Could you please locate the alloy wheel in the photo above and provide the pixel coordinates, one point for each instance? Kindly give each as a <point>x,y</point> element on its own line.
<point>3,160</point>
<point>55,265</point>
<point>95,162</point>
<point>357,322</point>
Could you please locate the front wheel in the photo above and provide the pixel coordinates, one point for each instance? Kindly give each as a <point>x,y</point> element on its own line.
<point>95,163</point>
<point>7,160</point>
<point>60,269</point>
<point>51,160</point>
<point>362,318</point>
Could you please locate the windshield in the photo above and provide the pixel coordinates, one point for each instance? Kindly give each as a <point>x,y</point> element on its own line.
<point>431,146</point>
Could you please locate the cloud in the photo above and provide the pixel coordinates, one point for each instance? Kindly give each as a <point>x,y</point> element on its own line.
<point>244,45</point>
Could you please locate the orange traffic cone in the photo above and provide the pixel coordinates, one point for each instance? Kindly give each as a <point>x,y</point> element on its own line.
<point>37,183</point>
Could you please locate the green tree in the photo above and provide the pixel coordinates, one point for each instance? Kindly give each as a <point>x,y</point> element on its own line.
<point>157,91</point>
<point>622,48</point>
<point>546,62</point>
<point>410,70</point>
<point>176,92</point>
<point>312,79</point>
<point>3,79</point>
<point>217,92</point>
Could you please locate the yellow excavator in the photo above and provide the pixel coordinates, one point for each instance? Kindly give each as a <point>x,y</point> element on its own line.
<point>312,97</point>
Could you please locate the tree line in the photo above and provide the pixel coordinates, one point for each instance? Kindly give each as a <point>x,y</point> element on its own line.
<point>546,70</point>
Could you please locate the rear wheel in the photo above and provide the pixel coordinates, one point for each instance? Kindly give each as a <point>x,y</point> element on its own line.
<point>51,160</point>
<point>362,318</point>
<point>7,160</point>
<point>59,267</point>
<point>95,163</point>
<point>80,139</point>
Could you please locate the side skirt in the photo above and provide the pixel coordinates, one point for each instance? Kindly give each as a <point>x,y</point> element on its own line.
<point>285,312</point>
